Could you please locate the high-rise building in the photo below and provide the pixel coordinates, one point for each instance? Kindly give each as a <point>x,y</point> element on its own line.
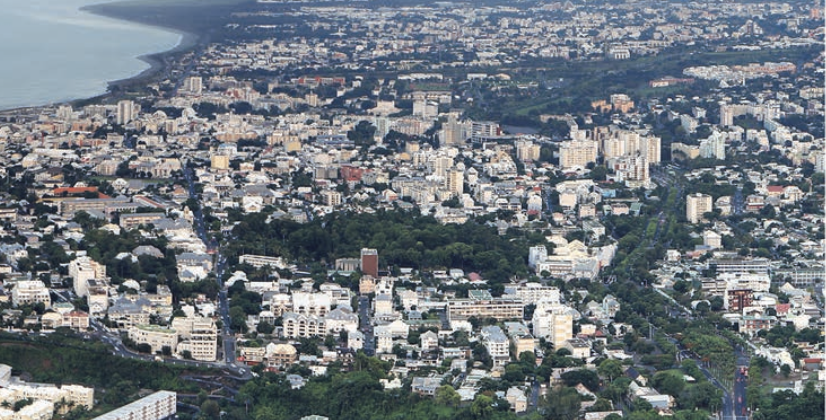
<point>696,205</point>
<point>370,262</point>
<point>453,132</point>
<point>126,112</point>
<point>714,146</point>
<point>577,153</point>
<point>454,181</point>
<point>554,322</point>
<point>83,269</point>
<point>527,151</point>
<point>193,85</point>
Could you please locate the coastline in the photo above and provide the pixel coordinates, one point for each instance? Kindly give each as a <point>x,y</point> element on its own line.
<point>158,61</point>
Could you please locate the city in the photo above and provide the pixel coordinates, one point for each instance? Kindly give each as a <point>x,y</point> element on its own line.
<point>364,210</point>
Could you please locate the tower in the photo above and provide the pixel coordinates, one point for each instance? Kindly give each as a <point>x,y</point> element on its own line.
<point>126,112</point>
<point>370,262</point>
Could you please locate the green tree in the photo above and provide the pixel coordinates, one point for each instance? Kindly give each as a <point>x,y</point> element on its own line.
<point>210,410</point>
<point>610,368</point>
<point>446,395</point>
<point>561,403</point>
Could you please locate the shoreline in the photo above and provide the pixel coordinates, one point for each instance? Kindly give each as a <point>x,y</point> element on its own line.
<point>158,61</point>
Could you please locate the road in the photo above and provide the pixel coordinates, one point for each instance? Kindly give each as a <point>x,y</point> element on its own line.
<point>227,337</point>
<point>741,410</point>
<point>366,326</point>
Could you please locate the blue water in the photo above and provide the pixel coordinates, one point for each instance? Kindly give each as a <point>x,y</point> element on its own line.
<point>51,52</point>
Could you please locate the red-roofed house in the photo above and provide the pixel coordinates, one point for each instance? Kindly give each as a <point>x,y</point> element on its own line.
<point>775,190</point>
<point>782,308</point>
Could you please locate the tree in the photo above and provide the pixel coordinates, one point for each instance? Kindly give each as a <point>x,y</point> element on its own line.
<point>668,383</point>
<point>586,377</point>
<point>446,395</point>
<point>482,407</point>
<point>561,403</point>
<point>211,410</point>
<point>610,368</point>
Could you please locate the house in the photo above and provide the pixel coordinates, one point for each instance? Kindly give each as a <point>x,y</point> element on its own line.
<point>517,399</point>
<point>426,386</point>
<point>429,341</point>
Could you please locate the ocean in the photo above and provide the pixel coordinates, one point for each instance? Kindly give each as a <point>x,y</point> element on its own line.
<point>51,52</point>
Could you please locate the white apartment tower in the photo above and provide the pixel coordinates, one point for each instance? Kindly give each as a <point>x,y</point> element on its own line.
<point>83,269</point>
<point>454,181</point>
<point>696,205</point>
<point>127,111</point>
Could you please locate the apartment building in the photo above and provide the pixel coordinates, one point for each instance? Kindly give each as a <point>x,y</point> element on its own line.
<point>29,292</point>
<point>157,406</point>
<point>577,153</point>
<point>554,322</point>
<point>481,304</point>
<point>157,337</point>
<point>82,269</point>
<point>199,336</point>
<point>497,344</point>
<point>696,205</point>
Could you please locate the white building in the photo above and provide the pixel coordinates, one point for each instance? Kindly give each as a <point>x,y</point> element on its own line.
<point>29,292</point>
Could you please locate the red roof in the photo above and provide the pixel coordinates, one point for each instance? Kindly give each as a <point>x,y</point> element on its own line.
<point>74,190</point>
<point>775,188</point>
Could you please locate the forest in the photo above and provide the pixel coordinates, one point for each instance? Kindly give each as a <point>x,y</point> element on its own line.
<point>404,239</point>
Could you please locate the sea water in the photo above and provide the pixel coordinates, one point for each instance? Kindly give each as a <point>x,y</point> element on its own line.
<point>52,52</point>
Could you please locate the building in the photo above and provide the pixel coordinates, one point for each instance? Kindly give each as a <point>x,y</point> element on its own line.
<point>259,261</point>
<point>454,181</point>
<point>199,336</point>
<point>481,304</point>
<point>527,151</point>
<point>533,293</point>
<point>311,304</point>
<point>156,337</point>
<point>83,269</point>
<point>370,262</point>
<point>193,85</point>
<point>97,296</point>
<point>738,299</point>
<point>696,205</point>
<point>554,322</point>
<point>497,344</point>
<point>281,355</point>
<point>127,111</point>
<point>299,325</point>
<point>30,292</point>
<point>134,220</point>
<point>453,132</point>
<point>712,239</point>
<point>577,153</point>
<point>158,406</point>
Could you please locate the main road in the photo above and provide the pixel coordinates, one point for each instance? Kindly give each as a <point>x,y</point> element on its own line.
<point>227,337</point>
